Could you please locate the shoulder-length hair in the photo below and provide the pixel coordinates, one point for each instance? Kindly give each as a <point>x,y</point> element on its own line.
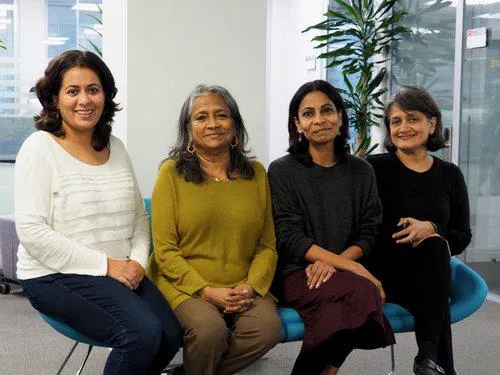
<point>48,87</point>
<point>301,149</point>
<point>414,98</point>
<point>186,163</point>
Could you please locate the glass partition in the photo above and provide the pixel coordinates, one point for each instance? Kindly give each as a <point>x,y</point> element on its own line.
<point>479,151</point>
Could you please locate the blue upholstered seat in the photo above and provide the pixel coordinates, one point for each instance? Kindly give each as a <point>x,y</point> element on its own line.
<point>70,332</point>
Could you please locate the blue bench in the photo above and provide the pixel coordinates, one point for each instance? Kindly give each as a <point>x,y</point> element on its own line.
<point>468,293</point>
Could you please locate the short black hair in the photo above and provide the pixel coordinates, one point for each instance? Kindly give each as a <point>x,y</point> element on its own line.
<point>414,98</point>
<point>301,149</point>
<point>47,89</point>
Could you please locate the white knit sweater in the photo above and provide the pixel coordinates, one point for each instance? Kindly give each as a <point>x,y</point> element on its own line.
<point>71,216</point>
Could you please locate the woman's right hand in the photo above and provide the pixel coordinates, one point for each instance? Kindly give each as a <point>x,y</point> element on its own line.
<point>362,271</point>
<point>125,272</point>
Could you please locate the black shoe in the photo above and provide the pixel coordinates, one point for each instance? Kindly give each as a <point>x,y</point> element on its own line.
<point>174,370</point>
<point>426,367</point>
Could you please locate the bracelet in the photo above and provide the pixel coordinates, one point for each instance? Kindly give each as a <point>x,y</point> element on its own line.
<point>434,226</point>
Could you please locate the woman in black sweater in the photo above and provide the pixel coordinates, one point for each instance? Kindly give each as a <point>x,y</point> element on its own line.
<point>426,219</point>
<point>327,216</point>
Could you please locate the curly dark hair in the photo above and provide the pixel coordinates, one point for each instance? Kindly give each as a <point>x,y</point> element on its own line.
<point>414,98</point>
<point>301,149</point>
<point>187,164</point>
<point>48,87</point>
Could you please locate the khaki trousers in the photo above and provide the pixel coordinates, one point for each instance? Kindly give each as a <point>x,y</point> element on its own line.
<point>216,343</point>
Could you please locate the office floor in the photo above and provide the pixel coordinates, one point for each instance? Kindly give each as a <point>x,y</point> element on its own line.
<point>28,346</point>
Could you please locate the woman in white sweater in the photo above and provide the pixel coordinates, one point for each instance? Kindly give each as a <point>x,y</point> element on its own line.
<point>82,224</point>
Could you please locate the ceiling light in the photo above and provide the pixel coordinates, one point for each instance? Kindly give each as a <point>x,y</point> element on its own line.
<point>88,7</point>
<point>56,40</point>
<point>467,2</point>
<point>494,16</point>
<point>7,6</point>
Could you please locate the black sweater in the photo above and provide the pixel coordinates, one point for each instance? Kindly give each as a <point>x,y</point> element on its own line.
<point>334,208</point>
<point>438,195</point>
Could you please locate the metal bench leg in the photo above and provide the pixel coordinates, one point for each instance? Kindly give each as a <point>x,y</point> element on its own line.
<point>393,363</point>
<point>67,358</point>
<point>85,360</point>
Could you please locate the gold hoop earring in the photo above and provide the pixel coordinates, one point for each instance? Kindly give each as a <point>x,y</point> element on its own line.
<point>234,142</point>
<point>190,147</point>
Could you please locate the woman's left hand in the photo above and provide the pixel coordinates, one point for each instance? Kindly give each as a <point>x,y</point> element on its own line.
<point>415,232</point>
<point>136,271</point>
<point>318,273</point>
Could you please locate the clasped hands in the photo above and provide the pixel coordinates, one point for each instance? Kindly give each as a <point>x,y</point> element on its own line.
<point>229,300</point>
<point>128,272</point>
<point>415,232</point>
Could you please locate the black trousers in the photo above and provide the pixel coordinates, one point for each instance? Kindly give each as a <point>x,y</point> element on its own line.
<point>335,349</point>
<point>419,279</point>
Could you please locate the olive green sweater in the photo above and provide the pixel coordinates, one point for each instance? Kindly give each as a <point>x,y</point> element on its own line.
<point>214,233</point>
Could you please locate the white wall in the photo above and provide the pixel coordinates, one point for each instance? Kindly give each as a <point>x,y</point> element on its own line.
<point>287,66</point>
<point>114,47</point>
<point>174,45</point>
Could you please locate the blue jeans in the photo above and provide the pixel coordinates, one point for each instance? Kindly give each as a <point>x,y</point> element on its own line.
<point>139,325</point>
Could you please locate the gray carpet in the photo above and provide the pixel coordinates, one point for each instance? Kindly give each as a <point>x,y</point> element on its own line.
<point>29,346</point>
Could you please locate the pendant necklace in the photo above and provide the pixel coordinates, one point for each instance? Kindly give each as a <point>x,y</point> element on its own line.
<point>216,179</point>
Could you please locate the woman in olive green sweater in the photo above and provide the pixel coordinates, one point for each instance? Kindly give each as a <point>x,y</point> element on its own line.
<point>213,234</point>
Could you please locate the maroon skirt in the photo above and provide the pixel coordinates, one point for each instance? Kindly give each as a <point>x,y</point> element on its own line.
<point>345,301</point>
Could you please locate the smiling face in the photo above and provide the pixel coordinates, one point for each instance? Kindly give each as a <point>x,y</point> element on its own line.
<point>410,130</point>
<point>80,100</point>
<point>318,120</point>
<point>211,124</point>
